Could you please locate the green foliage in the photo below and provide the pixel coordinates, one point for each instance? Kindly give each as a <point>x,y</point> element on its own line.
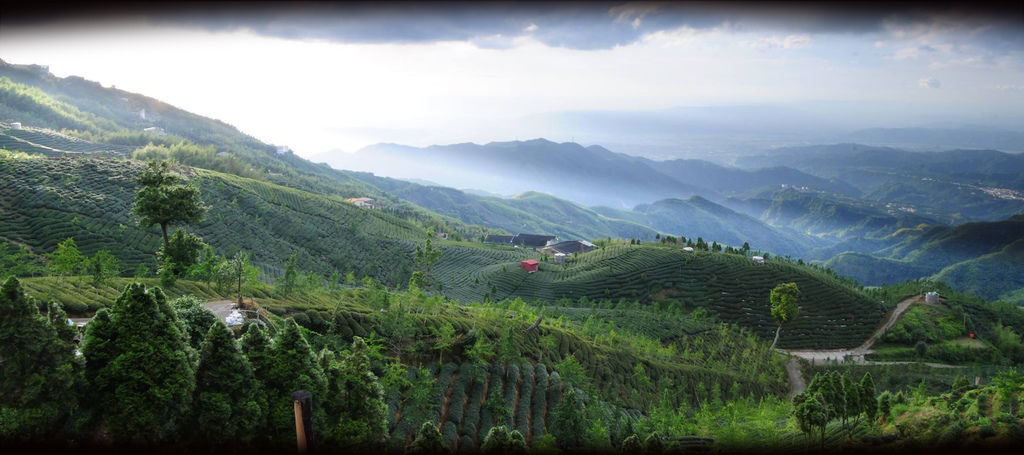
<point>181,252</point>
<point>66,259</point>
<point>228,408</point>
<point>290,279</point>
<point>103,266</point>
<point>354,404</point>
<point>428,441</point>
<point>239,273</point>
<point>37,368</point>
<point>784,299</point>
<point>569,425</point>
<point>164,200</point>
<point>291,366</point>
<point>140,367</point>
<point>501,441</point>
<point>18,261</point>
<point>196,319</point>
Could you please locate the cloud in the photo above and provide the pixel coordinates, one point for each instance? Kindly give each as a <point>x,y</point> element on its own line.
<point>774,42</point>
<point>929,82</point>
<point>585,26</point>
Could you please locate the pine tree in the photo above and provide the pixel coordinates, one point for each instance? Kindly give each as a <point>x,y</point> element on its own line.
<point>37,368</point>
<point>428,441</point>
<point>569,425</point>
<point>227,404</point>
<point>141,366</point>
<point>869,406</point>
<point>354,402</point>
<point>291,276</point>
<point>195,318</point>
<point>292,366</point>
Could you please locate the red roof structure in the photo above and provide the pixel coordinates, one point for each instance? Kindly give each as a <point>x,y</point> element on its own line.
<point>529,265</point>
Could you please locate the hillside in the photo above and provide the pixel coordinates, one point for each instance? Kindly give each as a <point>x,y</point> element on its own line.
<point>980,257</point>
<point>733,288</point>
<point>529,212</point>
<point>586,175</point>
<point>953,186</point>
<point>46,200</point>
<point>832,217</point>
<point>699,217</point>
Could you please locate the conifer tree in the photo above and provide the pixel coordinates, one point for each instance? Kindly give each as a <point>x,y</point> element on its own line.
<point>569,425</point>
<point>37,368</point>
<point>195,318</point>
<point>354,402</point>
<point>868,404</point>
<point>141,367</point>
<point>227,405</point>
<point>428,441</point>
<point>291,366</point>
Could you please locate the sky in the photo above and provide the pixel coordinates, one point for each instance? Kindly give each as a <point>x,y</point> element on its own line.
<point>322,77</point>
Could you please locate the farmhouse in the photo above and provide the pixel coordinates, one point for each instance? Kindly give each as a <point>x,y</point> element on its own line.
<point>363,202</point>
<point>931,297</point>
<point>568,247</point>
<point>689,248</point>
<point>15,125</point>
<point>530,265</point>
<point>758,259</point>
<point>155,130</point>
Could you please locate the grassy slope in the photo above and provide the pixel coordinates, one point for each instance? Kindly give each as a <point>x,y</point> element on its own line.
<point>731,287</point>
<point>977,257</point>
<point>48,200</point>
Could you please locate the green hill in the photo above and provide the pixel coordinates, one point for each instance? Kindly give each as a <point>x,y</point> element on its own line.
<point>48,200</point>
<point>979,257</point>
<point>529,212</point>
<point>731,287</point>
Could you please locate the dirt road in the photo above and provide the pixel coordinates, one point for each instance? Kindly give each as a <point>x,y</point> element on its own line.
<point>857,354</point>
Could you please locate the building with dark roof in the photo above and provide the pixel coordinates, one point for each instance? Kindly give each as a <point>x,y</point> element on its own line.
<point>568,247</point>
<point>532,240</point>
<point>502,239</point>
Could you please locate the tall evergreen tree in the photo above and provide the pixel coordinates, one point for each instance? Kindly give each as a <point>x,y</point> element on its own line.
<point>428,441</point>
<point>354,403</point>
<point>569,425</point>
<point>141,363</point>
<point>292,366</point>
<point>37,368</point>
<point>195,318</point>
<point>291,276</point>
<point>227,406</point>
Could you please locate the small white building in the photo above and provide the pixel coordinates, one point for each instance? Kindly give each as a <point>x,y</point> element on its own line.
<point>363,202</point>
<point>560,258</point>
<point>282,149</point>
<point>931,298</point>
<point>689,248</point>
<point>155,130</point>
<point>15,125</point>
<point>758,259</point>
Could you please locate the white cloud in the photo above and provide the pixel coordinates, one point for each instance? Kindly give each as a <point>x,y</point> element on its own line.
<point>929,82</point>
<point>531,28</point>
<point>774,42</point>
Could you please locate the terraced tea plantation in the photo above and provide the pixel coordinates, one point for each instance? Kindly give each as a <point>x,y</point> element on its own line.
<point>52,143</point>
<point>468,402</point>
<point>45,201</point>
<point>731,287</point>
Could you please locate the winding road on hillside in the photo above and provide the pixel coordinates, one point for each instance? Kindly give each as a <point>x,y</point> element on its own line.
<point>857,354</point>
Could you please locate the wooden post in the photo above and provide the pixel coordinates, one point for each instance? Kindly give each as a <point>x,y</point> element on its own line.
<point>302,402</point>
<point>300,432</point>
<point>977,380</point>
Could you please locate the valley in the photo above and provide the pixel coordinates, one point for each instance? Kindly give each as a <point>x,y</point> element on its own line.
<point>375,282</point>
